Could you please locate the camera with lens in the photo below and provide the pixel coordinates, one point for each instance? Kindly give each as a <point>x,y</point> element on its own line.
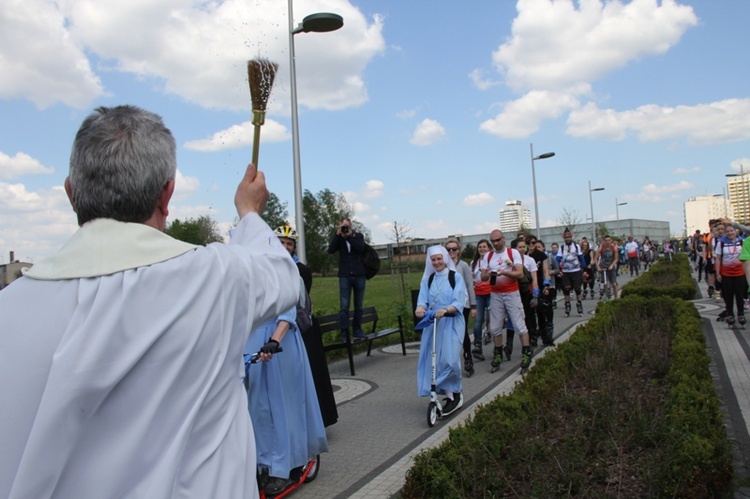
<point>344,229</point>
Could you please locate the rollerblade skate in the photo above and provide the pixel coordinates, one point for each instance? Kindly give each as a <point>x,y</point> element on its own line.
<point>477,350</point>
<point>721,316</point>
<point>548,338</point>
<point>534,338</point>
<point>567,309</point>
<point>526,353</point>
<point>742,321</point>
<point>497,359</point>
<point>730,321</point>
<point>579,308</point>
<point>468,364</point>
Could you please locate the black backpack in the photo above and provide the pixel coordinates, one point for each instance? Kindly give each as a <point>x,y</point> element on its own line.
<point>451,279</point>
<point>370,261</point>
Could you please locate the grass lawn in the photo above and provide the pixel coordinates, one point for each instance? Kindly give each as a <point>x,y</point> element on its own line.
<point>382,292</point>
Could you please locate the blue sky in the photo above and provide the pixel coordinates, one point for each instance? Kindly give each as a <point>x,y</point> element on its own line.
<point>419,112</point>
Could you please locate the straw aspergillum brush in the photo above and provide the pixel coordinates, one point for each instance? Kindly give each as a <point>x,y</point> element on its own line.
<point>260,75</point>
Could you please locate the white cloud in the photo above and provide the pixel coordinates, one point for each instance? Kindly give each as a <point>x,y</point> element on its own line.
<point>557,49</point>
<point>184,186</point>
<point>40,61</point>
<point>237,136</point>
<point>34,222</point>
<point>371,190</point>
<point>196,50</point>
<point>723,121</point>
<point>406,114</point>
<point>522,117</point>
<point>557,44</point>
<point>481,199</point>
<point>20,164</point>
<point>427,133</point>
<point>654,189</point>
<point>657,193</point>
<point>479,79</point>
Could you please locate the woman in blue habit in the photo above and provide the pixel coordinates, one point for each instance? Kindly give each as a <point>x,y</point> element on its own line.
<point>442,295</point>
<point>283,405</point>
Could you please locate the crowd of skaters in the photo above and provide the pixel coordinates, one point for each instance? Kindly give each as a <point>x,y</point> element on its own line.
<point>131,378</point>
<point>721,258</point>
<point>510,289</point>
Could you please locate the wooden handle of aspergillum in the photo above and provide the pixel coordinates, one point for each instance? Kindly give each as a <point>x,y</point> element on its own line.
<point>259,117</point>
<point>256,145</point>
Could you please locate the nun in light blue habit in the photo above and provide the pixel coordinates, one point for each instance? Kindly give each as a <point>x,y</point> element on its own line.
<point>436,299</point>
<point>283,404</point>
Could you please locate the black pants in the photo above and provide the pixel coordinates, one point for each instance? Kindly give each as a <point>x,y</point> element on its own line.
<point>545,315</point>
<point>733,291</point>
<point>467,339</point>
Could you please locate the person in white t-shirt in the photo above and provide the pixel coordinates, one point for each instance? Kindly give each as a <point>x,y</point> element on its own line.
<point>632,249</point>
<point>503,267</point>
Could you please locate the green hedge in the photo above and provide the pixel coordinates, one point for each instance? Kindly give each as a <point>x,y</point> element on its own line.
<point>625,407</point>
<point>665,278</point>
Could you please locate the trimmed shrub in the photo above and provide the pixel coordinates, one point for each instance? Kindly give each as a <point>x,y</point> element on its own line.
<point>624,407</point>
<point>665,278</point>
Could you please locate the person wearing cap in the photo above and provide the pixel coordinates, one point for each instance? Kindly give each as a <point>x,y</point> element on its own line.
<point>281,396</point>
<point>310,334</point>
<point>571,262</point>
<point>442,294</point>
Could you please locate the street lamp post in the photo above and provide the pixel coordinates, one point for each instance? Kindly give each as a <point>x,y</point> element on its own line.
<point>533,180</point>
<point>591,203</point>
<point>617,212</point>
<point>316,23</point>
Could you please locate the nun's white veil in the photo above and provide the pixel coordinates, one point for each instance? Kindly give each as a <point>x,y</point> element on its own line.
<point>438,250</point>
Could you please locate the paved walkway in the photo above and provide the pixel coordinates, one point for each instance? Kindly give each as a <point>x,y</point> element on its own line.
<point>383,424</point>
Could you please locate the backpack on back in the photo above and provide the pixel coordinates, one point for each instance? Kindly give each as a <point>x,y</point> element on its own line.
<point>451,279</point>
<point>370,261</point>
<point>524,283</point>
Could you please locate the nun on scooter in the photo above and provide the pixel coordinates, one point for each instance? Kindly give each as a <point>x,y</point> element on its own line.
<point>442,295</point>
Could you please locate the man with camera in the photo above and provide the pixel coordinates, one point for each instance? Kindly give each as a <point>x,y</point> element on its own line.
<point>351,247</point>
<point>503,268</point>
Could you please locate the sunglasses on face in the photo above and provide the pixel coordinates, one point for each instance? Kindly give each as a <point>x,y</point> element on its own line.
<point>452,249</point>
<point>497,240</point>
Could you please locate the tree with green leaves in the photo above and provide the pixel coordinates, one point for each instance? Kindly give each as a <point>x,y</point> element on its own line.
<point>275,214</point>
<point>602,230</point>
<point>468,252</point>
<point>202,230</point>
<point>323,212</point>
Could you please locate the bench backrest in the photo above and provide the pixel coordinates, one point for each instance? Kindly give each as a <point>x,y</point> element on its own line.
<point>331,322</point>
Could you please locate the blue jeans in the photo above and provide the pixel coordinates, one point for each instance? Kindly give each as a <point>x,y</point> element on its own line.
<point>483,302</point>
<point>346,286</point>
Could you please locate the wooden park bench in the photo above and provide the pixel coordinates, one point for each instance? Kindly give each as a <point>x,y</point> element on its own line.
<point>332,324</point>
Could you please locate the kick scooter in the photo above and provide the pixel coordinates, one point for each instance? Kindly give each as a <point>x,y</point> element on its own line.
<point>434,409</point>
<point>297,476</point>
